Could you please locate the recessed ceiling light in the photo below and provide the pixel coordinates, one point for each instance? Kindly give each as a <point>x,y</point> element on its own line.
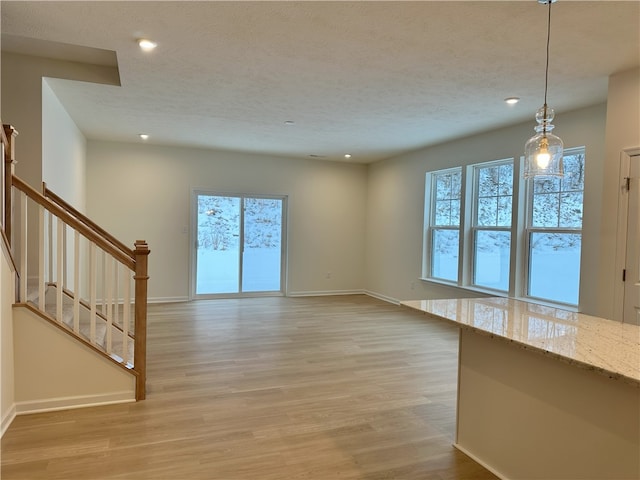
<point>146,44</point>
<point>347,155</point>
<point>289,122</point>
<point>144,136</point>
<point>512,100</point>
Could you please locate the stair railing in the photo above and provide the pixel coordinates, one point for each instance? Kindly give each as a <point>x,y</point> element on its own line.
<point>77,275</point>
<point>6,171</point>
<point>7,141</point>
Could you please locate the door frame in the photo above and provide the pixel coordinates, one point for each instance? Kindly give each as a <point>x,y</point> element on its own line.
<point>621,232</point>
<point>193,244</point>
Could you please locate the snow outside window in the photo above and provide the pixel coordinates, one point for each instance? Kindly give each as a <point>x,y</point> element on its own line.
<point>443,232</point>
<point>554,233</point>
<point>491,229</point>
<point>491,242</point>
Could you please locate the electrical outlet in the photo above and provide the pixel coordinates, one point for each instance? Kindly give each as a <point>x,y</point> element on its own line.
<point>328,274</point>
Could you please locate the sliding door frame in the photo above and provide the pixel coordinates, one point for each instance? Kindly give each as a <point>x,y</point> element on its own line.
<point>193,245</point>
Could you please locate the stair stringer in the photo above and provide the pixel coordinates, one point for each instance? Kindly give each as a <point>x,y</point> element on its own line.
<point>56,371</point>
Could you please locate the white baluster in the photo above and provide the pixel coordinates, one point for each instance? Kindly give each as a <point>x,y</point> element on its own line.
<point>41,259</point>
<point>50,246</point>
<point>65,255</point>
<point>76,281</point>
<point>109,279</point>
<point>116,289</point>
<point>92,291</point>
<point>126,307</point>
<point>23,248</point>
<point>59,275</point>
<point>103,293</point>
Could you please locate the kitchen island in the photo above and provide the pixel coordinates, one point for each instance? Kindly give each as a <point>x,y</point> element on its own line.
<point>544,393</point>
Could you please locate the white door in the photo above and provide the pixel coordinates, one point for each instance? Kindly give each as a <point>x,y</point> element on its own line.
<point>632,265</point>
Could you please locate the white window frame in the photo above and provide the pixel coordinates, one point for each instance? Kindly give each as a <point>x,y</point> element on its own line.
<point>521,210</point>
<point>430,226</point>
<point>474,228</point>
<point>529,229</point>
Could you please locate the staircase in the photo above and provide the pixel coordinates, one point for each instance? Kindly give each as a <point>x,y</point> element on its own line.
<point>74,274</point>
<point>104,335</point>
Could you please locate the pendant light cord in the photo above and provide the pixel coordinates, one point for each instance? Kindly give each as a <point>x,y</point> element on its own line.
<point>546,69</point>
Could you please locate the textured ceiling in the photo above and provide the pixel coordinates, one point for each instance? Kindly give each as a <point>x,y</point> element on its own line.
<point>370,78</point>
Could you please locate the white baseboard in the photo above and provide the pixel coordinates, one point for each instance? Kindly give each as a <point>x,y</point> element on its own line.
<point>120,301</point>
<point>167,299</point>
<point>480,462</point>
<point>324,293</point>
<point>382,297</point>
<point>67,403</point>
<point>309,293</point>
<point>7,419</point>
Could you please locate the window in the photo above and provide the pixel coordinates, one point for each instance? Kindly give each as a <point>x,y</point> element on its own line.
<point>444,231</point>
<point>479,236</point>
<point>554,233</point>
<point>491,230</point>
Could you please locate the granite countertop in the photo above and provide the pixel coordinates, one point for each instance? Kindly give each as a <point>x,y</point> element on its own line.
<point>606,346</point>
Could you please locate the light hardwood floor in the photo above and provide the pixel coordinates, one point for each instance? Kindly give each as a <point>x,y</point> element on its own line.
<point>269,388</point>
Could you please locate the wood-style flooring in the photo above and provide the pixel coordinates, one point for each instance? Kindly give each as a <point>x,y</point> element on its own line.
<point>345,387</point>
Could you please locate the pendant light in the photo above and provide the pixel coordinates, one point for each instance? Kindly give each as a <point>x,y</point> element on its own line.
<point>543,151</point>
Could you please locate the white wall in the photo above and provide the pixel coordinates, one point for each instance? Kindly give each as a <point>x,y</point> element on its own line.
<point>393,194</point>
<point>337,211</point>
<point>22,108</point>
<point>623,132</point>
<point>22,102</point>
<point>395,204</point>
<point>7,295</point>
<point>63,151</point>
<point>143,191</point>
<point>54,371</point>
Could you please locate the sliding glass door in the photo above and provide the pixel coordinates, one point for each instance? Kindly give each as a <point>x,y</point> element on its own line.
<point>239,244</point>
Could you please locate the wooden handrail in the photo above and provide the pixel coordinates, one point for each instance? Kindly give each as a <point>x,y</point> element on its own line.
<point>83,218</point>
<point>126,258</point>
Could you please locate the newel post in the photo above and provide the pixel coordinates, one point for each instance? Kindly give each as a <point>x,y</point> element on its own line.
<point>140,277</point>
<point>8,169</point>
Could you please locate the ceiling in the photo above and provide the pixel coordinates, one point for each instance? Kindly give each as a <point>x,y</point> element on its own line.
<point>371,78</point>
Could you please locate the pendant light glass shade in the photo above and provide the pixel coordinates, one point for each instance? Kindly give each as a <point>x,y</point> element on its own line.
<point>543,152</point>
